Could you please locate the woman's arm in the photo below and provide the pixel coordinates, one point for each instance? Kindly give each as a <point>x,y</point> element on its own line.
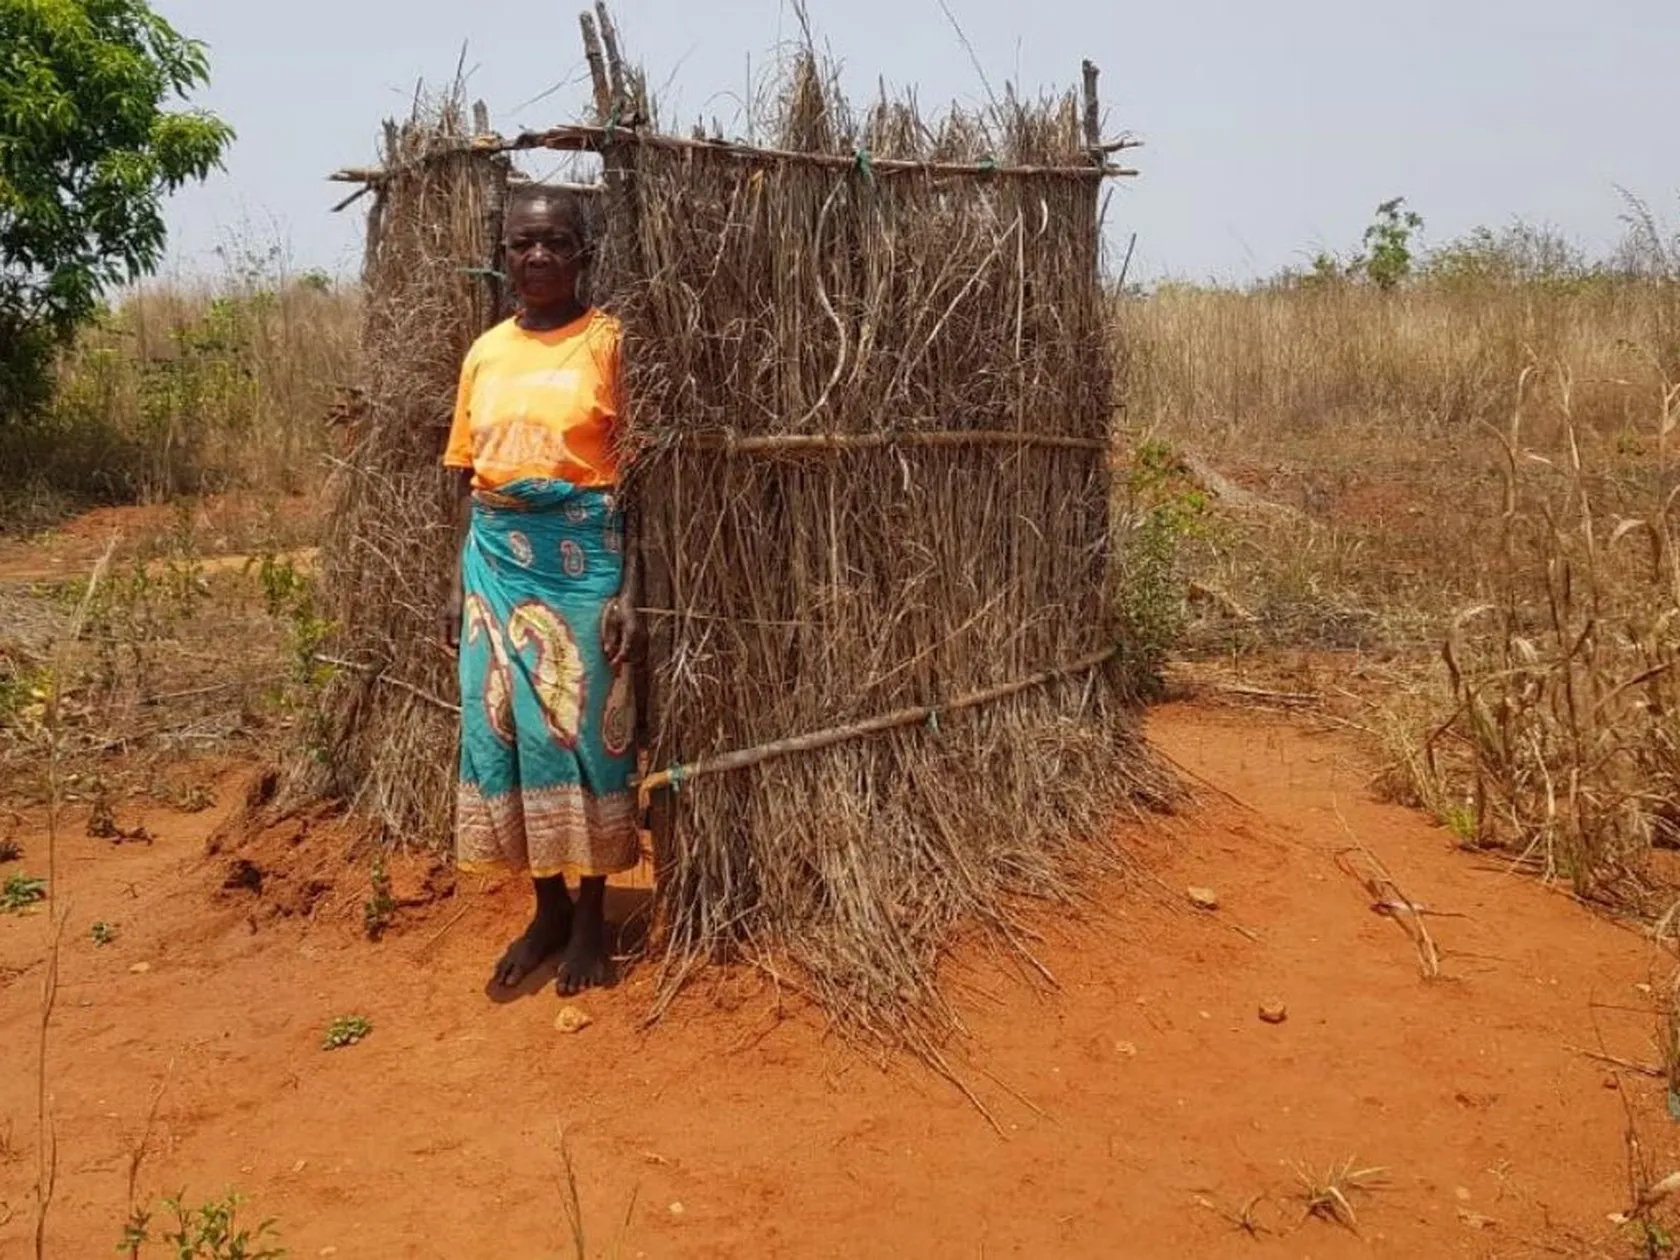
<point>621,629</point>
<point>449,616</point>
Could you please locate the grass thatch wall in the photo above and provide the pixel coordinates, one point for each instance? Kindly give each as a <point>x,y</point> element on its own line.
<point>797,589</point>
<point>385,739</point>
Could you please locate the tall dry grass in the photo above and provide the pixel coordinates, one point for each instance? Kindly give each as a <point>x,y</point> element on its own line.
<point>1473,483</point>
<point>1249,372</point>
<point>1372,420</point>
<point>187,388</point>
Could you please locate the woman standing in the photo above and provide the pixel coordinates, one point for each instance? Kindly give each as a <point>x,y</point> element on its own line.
<point>543,609</point>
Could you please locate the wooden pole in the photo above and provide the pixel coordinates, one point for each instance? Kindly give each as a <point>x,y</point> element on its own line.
<point>743,758</point>
<point>580,139</point>
<point>1093,110</point>
<point>821,443</point>
<point>597,68</point>
<point>615,63</point>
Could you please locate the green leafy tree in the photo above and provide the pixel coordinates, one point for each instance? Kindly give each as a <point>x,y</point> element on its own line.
<point>1388,244</point>
<point>89,147</point>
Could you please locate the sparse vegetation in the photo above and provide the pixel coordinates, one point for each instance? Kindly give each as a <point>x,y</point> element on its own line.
<point>207,1231</point>
<point>186,391</point>
<point>380,906</point>
<point>103,933</point>
<point>1329,1195</point>
<point>346,1030</point>
<point>21,891</point>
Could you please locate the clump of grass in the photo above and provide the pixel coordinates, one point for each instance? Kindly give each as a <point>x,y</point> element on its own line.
<point>103,933</point>
<point>207,1231</point>
<point>10,849</point>
<point>1329,1195</point>
<point>346,1030</point>
<point>21,891</point>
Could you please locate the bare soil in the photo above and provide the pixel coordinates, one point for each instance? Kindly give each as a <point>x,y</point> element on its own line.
<point>1141,1104</point>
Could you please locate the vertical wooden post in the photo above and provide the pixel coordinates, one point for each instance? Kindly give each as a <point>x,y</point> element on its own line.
<point>597,68</point>
<point>1093,110</point>
<point>612,85</point>
<point>615,63</point>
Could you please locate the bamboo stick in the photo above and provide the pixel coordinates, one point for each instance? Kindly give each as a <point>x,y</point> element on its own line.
<point>743,758</point>
<point>816,443</point>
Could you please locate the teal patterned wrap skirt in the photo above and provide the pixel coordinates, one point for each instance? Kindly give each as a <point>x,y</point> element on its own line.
<point>547,723</point>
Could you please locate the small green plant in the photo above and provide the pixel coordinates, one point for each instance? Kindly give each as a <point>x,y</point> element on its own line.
<point>103,933</point>
<point>1651,1239</point>
<point>1459,818</point>
<point>1388,244</point>
<point>289,595</point>
<point>1164,509</point>
<point>380,907</point>
<point>20,891</point>
<point>210,1231</point>
<point>346,1030</point>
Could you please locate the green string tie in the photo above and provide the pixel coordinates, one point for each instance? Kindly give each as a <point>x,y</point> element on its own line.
<point>863,165</point>
<point>483,273</point>
<point>933,721</point>
<point>676,775</point>
<point>988,164</point>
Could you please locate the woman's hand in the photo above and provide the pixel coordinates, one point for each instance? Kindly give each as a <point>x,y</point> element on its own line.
<point>621,630</point>
<point>449,621</point>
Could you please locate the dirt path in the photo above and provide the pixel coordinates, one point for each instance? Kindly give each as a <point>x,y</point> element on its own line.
<point>1139,1104</point>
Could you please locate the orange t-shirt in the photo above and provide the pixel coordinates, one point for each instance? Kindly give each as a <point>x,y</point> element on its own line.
<point>539,404</point>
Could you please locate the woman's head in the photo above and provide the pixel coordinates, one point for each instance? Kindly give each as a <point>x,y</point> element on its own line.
<point>547,245</point>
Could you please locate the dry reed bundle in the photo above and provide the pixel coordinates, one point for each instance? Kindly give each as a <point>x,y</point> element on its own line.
<point>871,403</point>
<point>386,738</point>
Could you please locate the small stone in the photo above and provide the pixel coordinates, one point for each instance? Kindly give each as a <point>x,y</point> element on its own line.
<point>300,1165</point>
<point>328,1251</point>
<point>1610,1081</point>
<point>571,1020</point>
<point>1462,1194</point>
<point>1203,898</point>
<point>677,1209</point>
<point>139,968</point>
<point>1125,1048</point>
<point>1475,1220</point>
<point>1273,1012</point>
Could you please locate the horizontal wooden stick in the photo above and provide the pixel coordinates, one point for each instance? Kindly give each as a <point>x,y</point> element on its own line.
<point>593,139</point>
<point>745,757</point>
<point>813,443</point>
<point>378,675</point>
<point>578,138</point>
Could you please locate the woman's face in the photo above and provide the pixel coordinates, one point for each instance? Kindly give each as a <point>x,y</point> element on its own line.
<point>544,254</point>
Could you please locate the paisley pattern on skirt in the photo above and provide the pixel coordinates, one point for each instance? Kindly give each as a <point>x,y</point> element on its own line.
<point>547,724</point>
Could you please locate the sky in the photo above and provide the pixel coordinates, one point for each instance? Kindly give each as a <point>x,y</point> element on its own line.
<point>1273,128</point>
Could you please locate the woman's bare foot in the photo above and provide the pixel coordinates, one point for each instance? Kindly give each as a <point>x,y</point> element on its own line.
<point>586,964</point>
<point>550,929</point>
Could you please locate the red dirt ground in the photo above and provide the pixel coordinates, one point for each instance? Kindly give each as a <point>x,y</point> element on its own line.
<point>1140,1102</point>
